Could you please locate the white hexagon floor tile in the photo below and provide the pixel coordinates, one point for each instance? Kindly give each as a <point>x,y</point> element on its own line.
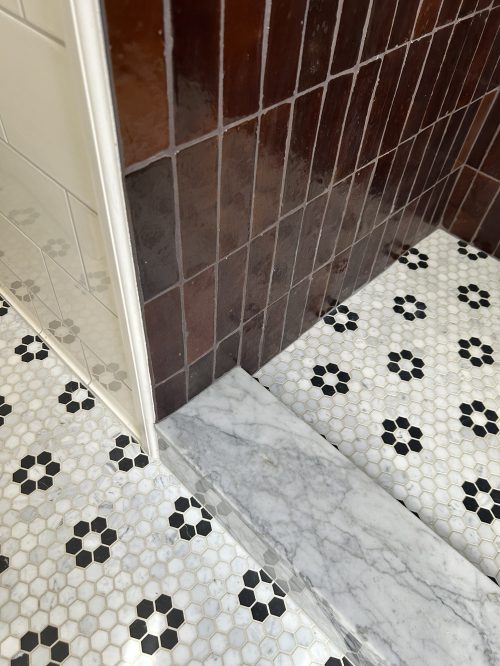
<point>105,557</point>
<point>404,379</point>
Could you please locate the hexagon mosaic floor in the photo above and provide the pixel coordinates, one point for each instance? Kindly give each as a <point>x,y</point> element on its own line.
<point>404,379</point>
<point>105,558</point>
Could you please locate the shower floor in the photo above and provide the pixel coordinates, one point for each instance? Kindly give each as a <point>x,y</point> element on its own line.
<point>403,378</point>
<point>105,557</point>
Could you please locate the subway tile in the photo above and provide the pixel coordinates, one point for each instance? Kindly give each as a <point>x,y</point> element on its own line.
<point>197,179</point>
<point>199,300</point>
<point>418,222</point>
<point>231,279</point>
<point>457,196</point>
<point>314,304</point>
<point>370,216</point>
<point>371,252</point>
<point>354,208</point>
<point>449,10</point>
<point>150,196</point>
<point>309,233</point>
<point>332,221</point>
<point>447,188</point>
<point>321,19</point>
<point>462,120</point>
<point>285,35</point>
<point>388,250</point>
<point>474,128</point>
<point>170,395</point>
<point>467,7</point>
<point>250,343</point>
<point>377,33</point>
<point>227,354</point>
<point>491,162</point>
<point>238,164</point>
<point>260,262</point>
<point>485,135</point>
<point>352,21</point>
<point>273,329</point>
<point>404,20</point>
<point>434,200</point>
<point>163,322</point>
<point>477,201</point>
<point>478,63</point>
<point>195,32</point>
<point>137,48</point>
<point>415,158</point>
<point>200,375</point>
<point>490,68</point>
<point>430,164</point>
<point>286,248</point>
<point>270,163</point>
<point>305,121</point>
<point>395,175</point>
<point>357,200</point>
<point>243,27</point>
<point>294,312</point>
<point>337,274</point>
<point>427,17</point>
<point>351,274</point>
<point>488,234</point>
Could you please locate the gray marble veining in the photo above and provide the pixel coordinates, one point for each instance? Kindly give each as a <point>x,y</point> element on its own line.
<point>406,593</point>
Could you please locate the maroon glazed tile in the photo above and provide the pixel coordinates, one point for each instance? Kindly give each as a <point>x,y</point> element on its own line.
<point>332,221</point>
<point>286,248</point>
<point>419,225</point>
<point>449,10</point>
<point>136,50</point>
<point>395,175</point>
<point>388,246</point>
<point>230,282</point>
<point>475,205</point>
<point>412,225</point>
<point>491,163</point>
<point>283,49</point>
<point>163,321</point>
<point>355,261</point>
<point>352,136</point>
<point>329,132</point>
<point>354,208</point>
<point>195,31</point>
<point>349,35</point>
<point>151,202</point>
<point>199,304</point>
<point>427,17</point>
<point>379,27</point>
<point>444,136</point>
<point>463,122</point>
<point>475,127</point>
<point>197,180</point>
<point>436,192</point>
<point>382,101</point>
<point>273,330</point>
<point>404,20</point>
<point>433,63</point>
<point>309,234</point>
<point>467,7</point>
<point>270,163</point>
<point>412,166</point>
<point>358,196</point>
<point>314,304</point>
<point>445,194</point>
<point>238,164</point>
<point>412,69</point>
<point>370,217</point>
<point>371,252</point>
<point>260,263</point>
<point>399,244</point>
<point>337,273</point>
<point>305,122</point>
<point>170,395</point>
<point>383,251</point>
<point>227,354</point>
<point>458,193</point>
<point>200,374</point>
<point>488,234</point>
<point>484,82</point>
<point>243,26</point>
<point>294,312</point>
<point>482,4</point>
<point>485,136</point>
<point>250,343</point>
<point>431,156</point>
<point>321,19</point>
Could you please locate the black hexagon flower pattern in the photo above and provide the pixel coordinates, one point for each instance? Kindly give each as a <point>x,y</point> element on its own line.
<point>36,472</point>
<point>4,307</point>
<point>76,396</point>
<point>476,352</point>
<point>470,252</point>
<point>414,259</point>
<point>482,499</point>
<point>476,416</point>
<point>49,638</point>
<point>32,347</point>
<point>342,319</point>
<point>474,296</point>
<point>402,435</point>
<point>330,379</point>
<point>406,365</point>
<point>409,307</point>
<point>127,453</point>
<point>157,623</point>
<point>4,563</point>
<point>100,536</point>
<point>182,519</point>
<point>337,661</point>
<point>5,409</point>
<point>263,596</point>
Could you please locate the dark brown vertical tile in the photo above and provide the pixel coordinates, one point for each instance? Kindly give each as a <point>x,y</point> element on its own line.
<point>477,201</point>
<point>389,76</point>
<point>195,28</point>
<point>170,395</point>
<point>397,169</point>
<point>273,329</point>
<point>491,163</point>
<point>356,117</point>
<point>354,208</point>
<point>427,17</point>
<point>458,193</point>
<point>484,62</point>
<point>200,374</point>
<point>434,200</point>
<point>467,7</point>
<point>389,249</point>
<point>151,202</point>
<point>337,273</point>
<point>405,223</point>
<point>429,158</point>
<point>349,35</point>
<point>305,121</point>
<point>475,127</point>
<point>309,233</point>
<point>321,19</point>
<point>197,178</point>
<point>243,26</point>
<point>488,234</point>
<point>370,217</point>
<point>137,57</point>
<point>227,354</point>
<point>286,247</point>
<point>230,280</point>
<point>329,132</point>
<point>285,34</point>
<point>357,200</point>
<point>404,20</point>
<point>250,343</point>
<point>449,10</point>
<point>163,321</point>
<point>377,32</point>
<point>462,118</point>
<point>438,210</point>
<point>199,303</point>
<point>238,163</point>
<point>351,275</point>
<point>332,221</point>
<point>419,225</point>
<point>412,226</point>
<point>412,165</point>
<point>485,135</point>
<point>383,251</point>
<point>371,252</point>
<point>260,264</point>
<point>314,305</point>
<point>270,162</point>
<point>294,312</point>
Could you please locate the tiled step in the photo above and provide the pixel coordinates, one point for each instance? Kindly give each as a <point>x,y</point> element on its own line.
<point>352,556</point>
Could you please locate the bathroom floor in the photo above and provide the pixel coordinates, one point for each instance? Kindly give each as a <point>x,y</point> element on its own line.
<point>105,558</point>
<point>404,379</point>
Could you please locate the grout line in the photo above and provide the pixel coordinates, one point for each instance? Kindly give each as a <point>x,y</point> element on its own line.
<point>76,240</point>
<point>485,214</point>
<point>458,171</point>
<point>482,173</point>
<point>486,60</point>
<point>472,58</point>
<point>480,128</point>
